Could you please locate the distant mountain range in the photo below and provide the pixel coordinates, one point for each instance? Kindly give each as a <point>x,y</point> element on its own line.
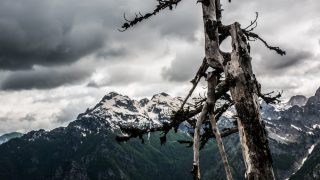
<point>86,148</point>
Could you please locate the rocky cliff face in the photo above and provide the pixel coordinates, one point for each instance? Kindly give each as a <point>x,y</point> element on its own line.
<point>86,149</point>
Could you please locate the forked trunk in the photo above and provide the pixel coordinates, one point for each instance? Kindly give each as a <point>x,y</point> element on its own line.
<point>253,136</point>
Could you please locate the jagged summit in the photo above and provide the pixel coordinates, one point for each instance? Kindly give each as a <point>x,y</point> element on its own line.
<point>112,95</point>
<point>120,110</point>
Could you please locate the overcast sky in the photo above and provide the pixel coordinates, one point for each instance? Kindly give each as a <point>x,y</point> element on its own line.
<point>59,57</point>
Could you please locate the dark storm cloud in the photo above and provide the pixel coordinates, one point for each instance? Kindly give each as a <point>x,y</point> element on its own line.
<point>273,64</point>
<point>43,78</point>
<point>42,32</point>
<point>59,33</point>
<point>293,57</point>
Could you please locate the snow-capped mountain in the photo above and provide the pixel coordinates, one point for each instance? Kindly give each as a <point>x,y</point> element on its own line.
<point>294,122</point>
<point>76,150</point>
<point>119,110</point>
<point>285,122</point>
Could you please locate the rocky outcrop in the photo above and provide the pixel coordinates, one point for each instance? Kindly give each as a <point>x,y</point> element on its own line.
<point>298,100</point>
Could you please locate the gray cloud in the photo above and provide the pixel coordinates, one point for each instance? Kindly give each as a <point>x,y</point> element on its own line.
<point>266,62</point>
<point>293,57</point>
<point>42,40</point>
<point>69,113</point>
<point>45,33</point>
<point>43,78</point>
<point>184,66</point>
<point>42,32</point>
<point>60,33</point>
<point>113,52</point>
<point>29,117</point>
<point>181,23</point>
<point>118,75</point>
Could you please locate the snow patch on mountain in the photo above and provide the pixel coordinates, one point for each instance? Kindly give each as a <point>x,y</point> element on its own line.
<point>295,127</point>
<point>119,110</point>
<point>116,110</point>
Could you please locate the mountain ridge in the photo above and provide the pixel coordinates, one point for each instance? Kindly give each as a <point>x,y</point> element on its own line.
<point>292,131</point>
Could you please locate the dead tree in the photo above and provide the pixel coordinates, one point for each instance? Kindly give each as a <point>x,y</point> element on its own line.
<point>238,79</point>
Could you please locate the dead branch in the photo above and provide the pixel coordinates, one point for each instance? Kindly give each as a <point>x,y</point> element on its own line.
<point>267,97</point>
<point>207,136</point>
<point>201,72</point>
<point>162,4</point>
<point>196,142</point>
<point>256,36</point>
<point>253,24</point>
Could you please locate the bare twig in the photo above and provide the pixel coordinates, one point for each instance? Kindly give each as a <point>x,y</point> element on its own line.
<point>253,24</point>
<point>162,4</point>
<point>201,72</point>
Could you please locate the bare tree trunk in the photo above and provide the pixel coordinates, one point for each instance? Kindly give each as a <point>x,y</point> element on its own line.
<point>212,82</point>
<point>253,136</point>
<point>212,51</point>
<point>239,79</point>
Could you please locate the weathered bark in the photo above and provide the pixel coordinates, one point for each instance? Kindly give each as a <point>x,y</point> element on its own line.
<point>253,136</point>
<point>238,68</point>
<point>210,21</point>
<point>212,82</point>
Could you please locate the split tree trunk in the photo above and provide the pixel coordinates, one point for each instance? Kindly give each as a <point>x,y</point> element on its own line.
<point>253,136</point>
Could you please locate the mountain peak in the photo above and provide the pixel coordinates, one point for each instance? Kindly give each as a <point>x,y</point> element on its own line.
<point>120,110</point>
<point>299,100</point>
<point>112,95</point>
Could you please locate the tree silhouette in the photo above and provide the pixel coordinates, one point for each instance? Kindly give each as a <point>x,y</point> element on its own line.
<point>231,80</point>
